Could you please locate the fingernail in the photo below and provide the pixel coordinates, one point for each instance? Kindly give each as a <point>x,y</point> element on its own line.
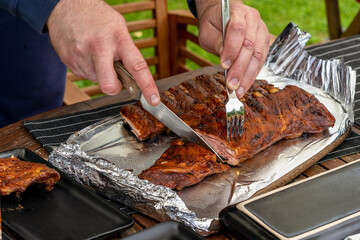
<point>154,100</point>
<point>240,92</point>
<point>233,83</point>
<point>226,64</point>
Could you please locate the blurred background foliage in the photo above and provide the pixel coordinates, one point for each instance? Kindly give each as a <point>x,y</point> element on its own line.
<point>310,16</point>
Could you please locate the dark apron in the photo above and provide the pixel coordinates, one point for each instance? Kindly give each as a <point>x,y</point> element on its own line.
<point>32,76</point>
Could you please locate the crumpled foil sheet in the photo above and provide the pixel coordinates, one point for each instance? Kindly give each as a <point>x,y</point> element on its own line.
<point>288,58</point>
<point>108,158</point>
<point>121,185</point>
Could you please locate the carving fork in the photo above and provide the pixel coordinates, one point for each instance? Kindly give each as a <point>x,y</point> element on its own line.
<point>234,107</point>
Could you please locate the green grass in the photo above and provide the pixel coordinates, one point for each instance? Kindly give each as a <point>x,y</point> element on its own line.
<point>310,16</point>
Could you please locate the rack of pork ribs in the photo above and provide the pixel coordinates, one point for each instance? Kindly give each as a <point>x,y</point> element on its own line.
<point>17,175</point>
<point>271,114</point>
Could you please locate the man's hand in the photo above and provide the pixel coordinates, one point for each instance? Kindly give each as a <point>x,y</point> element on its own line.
<point>88,36</point>
<point>246,42</point>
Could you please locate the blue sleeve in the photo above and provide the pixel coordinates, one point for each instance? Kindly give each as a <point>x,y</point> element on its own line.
<point>192,7</point>
<point>34,12</point>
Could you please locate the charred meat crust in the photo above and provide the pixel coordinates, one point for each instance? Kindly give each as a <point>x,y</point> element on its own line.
<point>142,123</point>
<point>180,99</point>
<point>286,113</point>
<point>182,165</point>
<point>16,175</point>
<point>271,114</point>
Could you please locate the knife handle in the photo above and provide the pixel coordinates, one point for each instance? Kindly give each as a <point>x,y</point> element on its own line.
<point>127,80</point>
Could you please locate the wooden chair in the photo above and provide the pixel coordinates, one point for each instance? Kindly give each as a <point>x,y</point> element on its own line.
<point>169,40</point>
<point>334,23</point>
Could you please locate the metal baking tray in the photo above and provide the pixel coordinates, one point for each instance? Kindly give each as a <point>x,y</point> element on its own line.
<point>5,236</point>
<point>108,157</point>
<point>325,206</point>
<point>69,211</point>
<point>169,230</point>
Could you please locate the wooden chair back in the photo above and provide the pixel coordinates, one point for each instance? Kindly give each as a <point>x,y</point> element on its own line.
<point>180,36</point>
<point>334,21</point>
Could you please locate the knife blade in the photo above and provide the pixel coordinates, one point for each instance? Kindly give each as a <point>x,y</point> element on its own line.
<point>161,111</point>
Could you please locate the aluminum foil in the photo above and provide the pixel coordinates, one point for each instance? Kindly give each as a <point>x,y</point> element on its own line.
<point>108,158</point>
<point>288,58</point>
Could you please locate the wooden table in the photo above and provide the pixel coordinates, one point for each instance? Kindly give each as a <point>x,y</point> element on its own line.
<point>16,136</point>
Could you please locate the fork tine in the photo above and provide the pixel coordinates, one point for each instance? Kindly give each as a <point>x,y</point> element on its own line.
<point>237,132</point>
<point>232,126</point>
<point>228,123</point>
<point>241,124</point>
<point>235,123</point>
<point>241,117</point>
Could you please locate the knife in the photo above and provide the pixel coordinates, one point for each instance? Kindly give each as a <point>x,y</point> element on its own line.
<point>161,111</point>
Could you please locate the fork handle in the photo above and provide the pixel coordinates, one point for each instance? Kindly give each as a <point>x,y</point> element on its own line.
<point>127,80</point>
<point>225,15</point>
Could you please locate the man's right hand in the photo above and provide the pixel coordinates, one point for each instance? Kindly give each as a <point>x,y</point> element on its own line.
<point>88,36</point>
<point>246,44</point>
